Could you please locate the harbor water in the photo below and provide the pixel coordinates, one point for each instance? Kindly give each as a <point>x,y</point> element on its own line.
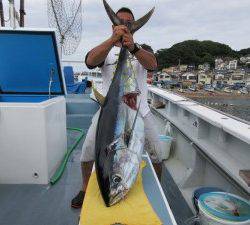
<point>236,107</point>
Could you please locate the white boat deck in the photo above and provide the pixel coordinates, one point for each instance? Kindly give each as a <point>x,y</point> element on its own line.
<point>50,205</point>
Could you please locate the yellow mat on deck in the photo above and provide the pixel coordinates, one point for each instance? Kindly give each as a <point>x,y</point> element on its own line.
<point>134,210</point>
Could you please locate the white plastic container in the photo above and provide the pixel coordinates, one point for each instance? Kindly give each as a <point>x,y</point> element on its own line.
<point>166,142</point>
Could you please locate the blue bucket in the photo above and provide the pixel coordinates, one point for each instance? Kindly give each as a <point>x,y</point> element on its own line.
<point>225,206</point>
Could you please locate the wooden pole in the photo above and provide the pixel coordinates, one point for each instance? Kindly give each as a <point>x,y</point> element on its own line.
<point>22,13</point>
<point>2,14</point>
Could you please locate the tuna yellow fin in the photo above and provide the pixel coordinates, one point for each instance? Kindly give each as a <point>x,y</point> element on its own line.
<point>99,97</point>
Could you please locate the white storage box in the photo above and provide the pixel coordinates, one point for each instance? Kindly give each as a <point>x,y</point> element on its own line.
<point>33,137</point>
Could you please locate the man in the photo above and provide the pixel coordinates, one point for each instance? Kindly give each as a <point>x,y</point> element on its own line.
<point>105,56</point>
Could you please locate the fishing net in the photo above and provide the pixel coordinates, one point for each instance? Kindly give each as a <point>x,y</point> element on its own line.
<point>66,17</point>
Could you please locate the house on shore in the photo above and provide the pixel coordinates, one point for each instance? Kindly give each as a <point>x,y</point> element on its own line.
<point>237,77</point>
<point>204,78</point>
<point>191,77</point>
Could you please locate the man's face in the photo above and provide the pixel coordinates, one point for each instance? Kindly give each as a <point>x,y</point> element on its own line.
<point>125,17</point>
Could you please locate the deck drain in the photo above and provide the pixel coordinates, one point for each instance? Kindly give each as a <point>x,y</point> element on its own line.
<point>224,118</point>
<point>35,175</point>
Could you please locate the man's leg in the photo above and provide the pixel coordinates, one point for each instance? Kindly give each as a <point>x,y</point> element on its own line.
<point>86,172</point>
<point>153,145</point>
<point>87,161</point>
<point>86,168</point>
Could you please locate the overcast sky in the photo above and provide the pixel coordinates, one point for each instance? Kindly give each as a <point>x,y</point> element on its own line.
<point>225,21</point>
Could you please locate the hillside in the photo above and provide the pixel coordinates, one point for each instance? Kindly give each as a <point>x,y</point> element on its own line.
<point>196,52</point>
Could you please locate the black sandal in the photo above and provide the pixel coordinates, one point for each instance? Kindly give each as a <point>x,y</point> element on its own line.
<point>77,201</point>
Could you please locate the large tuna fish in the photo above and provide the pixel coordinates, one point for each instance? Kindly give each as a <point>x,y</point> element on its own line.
<point>120,130</point>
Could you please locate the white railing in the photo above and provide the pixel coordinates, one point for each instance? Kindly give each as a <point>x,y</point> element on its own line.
<point>225,140</point>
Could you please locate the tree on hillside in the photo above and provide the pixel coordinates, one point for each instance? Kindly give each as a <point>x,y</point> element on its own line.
<point>195,52</point>
<point>244,52</point>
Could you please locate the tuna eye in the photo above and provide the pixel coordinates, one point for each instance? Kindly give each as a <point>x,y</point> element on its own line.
<point>117,179</point>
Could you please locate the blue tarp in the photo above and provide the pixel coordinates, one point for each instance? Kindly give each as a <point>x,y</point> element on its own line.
<point>72,87</point>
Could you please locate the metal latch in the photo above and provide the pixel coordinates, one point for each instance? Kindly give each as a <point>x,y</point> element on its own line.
<point>51,74</point>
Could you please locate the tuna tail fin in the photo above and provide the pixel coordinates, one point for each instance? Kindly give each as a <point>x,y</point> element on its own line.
<point>134,26</point>
<point>113,17</point>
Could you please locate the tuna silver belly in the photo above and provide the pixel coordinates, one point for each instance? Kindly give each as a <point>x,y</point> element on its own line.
<point>128,150</point>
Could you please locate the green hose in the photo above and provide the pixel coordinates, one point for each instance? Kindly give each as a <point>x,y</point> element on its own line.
<point>59,172</point>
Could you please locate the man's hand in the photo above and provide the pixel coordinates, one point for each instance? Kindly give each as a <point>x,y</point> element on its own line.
<point>118,33</point>
<point>128,41</point>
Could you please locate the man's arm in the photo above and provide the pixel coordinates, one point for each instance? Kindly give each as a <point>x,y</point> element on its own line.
<point>146,58</point>
<point>98,54</point>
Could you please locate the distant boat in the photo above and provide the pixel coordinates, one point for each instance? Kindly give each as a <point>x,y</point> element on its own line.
<point>244,91</point>
<point>181,90</point>
<point>218,86</point>
<point>192,88</point>
<point>227,90</point>
<point>209,88</point>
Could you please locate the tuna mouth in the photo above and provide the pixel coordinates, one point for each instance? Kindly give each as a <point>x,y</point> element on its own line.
<point>117,192</point>
<point>114,199</point>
